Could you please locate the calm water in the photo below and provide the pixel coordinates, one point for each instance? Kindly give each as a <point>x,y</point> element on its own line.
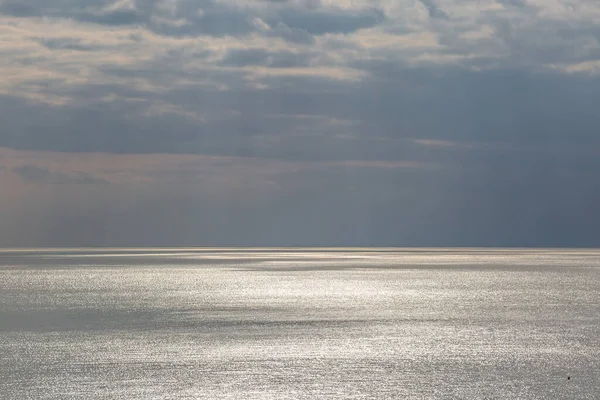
<point>299,324</point>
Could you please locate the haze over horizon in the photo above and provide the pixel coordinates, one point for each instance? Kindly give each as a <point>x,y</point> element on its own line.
<point>299,123</point>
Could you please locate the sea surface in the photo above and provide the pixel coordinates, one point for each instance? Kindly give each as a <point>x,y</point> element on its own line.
<point>299,324</point>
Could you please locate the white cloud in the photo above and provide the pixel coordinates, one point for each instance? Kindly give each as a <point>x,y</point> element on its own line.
<point>587,67</point>
<point>482,33</point>
<point>69,51</point>
<point>155,58</point>
<point>119,5</point>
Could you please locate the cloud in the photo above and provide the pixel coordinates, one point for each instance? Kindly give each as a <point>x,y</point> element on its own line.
<point>436,143</point>
<point>18,9</point>
<point>310,117</point>
<point>249,57</point>
<point>66,44</point>
<point>408,113</point>
<point>255,203</point>
<point>318,22</point>
<point>36,174</point>
<point>180,42</point>
<point>590,67</point>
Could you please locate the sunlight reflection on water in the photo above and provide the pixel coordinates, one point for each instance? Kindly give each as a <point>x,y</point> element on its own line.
<point>290,323</point>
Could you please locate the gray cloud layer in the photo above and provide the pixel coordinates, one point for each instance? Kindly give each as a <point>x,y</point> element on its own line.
<point>435,122</point>
<point>36,174</point>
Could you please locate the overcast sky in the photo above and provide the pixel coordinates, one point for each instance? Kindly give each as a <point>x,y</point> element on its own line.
<point>299,122</point>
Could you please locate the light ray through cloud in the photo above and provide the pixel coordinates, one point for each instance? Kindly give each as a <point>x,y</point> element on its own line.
<point>427,122</point>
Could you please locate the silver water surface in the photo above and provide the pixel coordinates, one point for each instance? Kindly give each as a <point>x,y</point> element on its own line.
<point>299,324</point>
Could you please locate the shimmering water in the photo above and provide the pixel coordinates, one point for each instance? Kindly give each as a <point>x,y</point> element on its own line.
<point>299,324</point>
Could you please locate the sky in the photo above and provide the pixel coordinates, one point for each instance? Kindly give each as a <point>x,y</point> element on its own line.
<point>299,123</point>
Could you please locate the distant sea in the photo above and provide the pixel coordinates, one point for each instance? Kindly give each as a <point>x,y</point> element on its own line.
<point>299,324</point>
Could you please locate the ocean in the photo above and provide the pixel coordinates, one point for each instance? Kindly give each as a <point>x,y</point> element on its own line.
<point>299,324</point>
